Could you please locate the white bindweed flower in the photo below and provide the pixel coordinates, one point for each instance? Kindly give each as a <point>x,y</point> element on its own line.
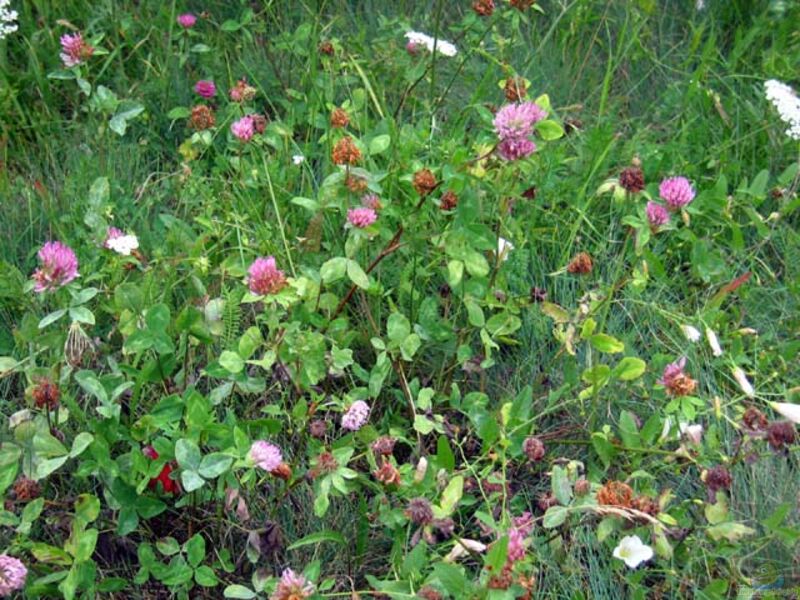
<point>786,103</point>
<point>503,248</point>
<point>123,244</point>
<point>692,432</point>
<point>744,383</point>
<point>713,342</point>
<point>8,19</point>
<point>463,547</point>
<point>787,410</point>
<point>691,333</point>
<point>633,551</point>
<point>298,159</point>
<point>422,468</point>
<point>444,47</point>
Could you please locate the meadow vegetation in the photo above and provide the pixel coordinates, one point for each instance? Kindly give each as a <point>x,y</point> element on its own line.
<point>390,299</point>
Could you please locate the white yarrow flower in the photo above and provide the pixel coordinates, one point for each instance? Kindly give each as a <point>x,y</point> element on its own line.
<point>298,159</point>
<point>787,410</point>
<point>692,333</point>
<point>123,244</point>
<point>744,383</point>
<point>503,248</point>
<point>8,19</point>
<point>633,551</point>
<point>464,547</point>
<point>422,39</point>
<point>786,103</point>
<point>713,342</point>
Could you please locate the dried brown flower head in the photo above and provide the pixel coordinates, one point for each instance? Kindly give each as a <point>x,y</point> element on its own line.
<point>387,473</point>
<point>345,152</point>
<point>581,264</point>
<point>483,8</point>
<point>538,294</point>
<point>356,184</point>
<point>202,118</point>
<point>317,428</point>
<point>259,122</point>
<point>615,493</point>
<point>384,445</point>
<point>282,471</point>
<point>420,511</point>
<point>646,505</point>
<point>448,201</point>
<point>582,487</point>
<point>632,179</point>
<point>429,593</point>
<point>522,5</point>
<point>533,448</point>
<point>424,182</point>
<point>515,88</point>
<point>45,394</point>
<point>546,501</point>
<point>26,489</point>
<point>339,118</point>
<point>754,419</point>
<point>326,48</point>
<point>717,478</point>
<point>780,434</point>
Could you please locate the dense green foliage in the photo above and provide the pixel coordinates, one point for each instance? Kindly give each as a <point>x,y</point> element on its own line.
<point>508,325</point>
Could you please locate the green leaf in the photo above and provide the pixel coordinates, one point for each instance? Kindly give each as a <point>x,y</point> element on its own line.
<point>52,318</point>
<point>318,538</point>
<point>87,508</point>
<point>81,314</point>
<point>179,112</point>
<point>410,346</point>
<point>168,546</point>
<point>214,464</point>
<point>80,443</point>
<point>562,489</point>
<point>476,264</point>
<point>87,540</point>
<point>629,368</point>
<point>628,430</point>
<point>230,25</point>
<point>205,576</point>
<point>423,424</point>
<point>455,272</point>
<point>44,468</point>
<point>249,342</point>
<point>606,343</point>
<point>451,495</point>
<point>380,143</point>
<point>307,203</point>
<point>158,318</point>
<point>195,549</point>
<point>7,364</point>
<point>503,323</point>
<point>555,516</point>
<point>452,579</point>
<point>549,130</point>
<point>238,591</point>
<point>187,454</point>
<point>333,269</point>
<point>191,480</point>
<point>732,531</point>
<point>398,327</point>
<point>474,313</point>
<point>231,361</point>
<point>444,454</point>
<point>357,275</point>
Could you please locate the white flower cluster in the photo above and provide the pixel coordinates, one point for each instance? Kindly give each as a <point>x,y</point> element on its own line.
<point>8,19</point>
<point>123,244</point>
<point>421,39</point>
<point>787,104</point>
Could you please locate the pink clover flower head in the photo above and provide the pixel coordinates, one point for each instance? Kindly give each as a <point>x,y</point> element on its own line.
<point>517,120</point>
<point>521,528</point>
<point>244,128</point>
<point>74,49</point>
<point>205,88</point>
<point>356,416</point>
<point>672,371</point>
<point>657,215</point>
<point>516,148</point>
<point>292,586</point>
<point>361,217</point>
<point>264,277</point>
<point>186,20</point>
<point>59,266</point>
<point>677,192</point>
<point>12,574</point>
<point>266,455</point>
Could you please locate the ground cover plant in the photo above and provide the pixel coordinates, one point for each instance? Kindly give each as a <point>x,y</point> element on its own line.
<point>480,299</point>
